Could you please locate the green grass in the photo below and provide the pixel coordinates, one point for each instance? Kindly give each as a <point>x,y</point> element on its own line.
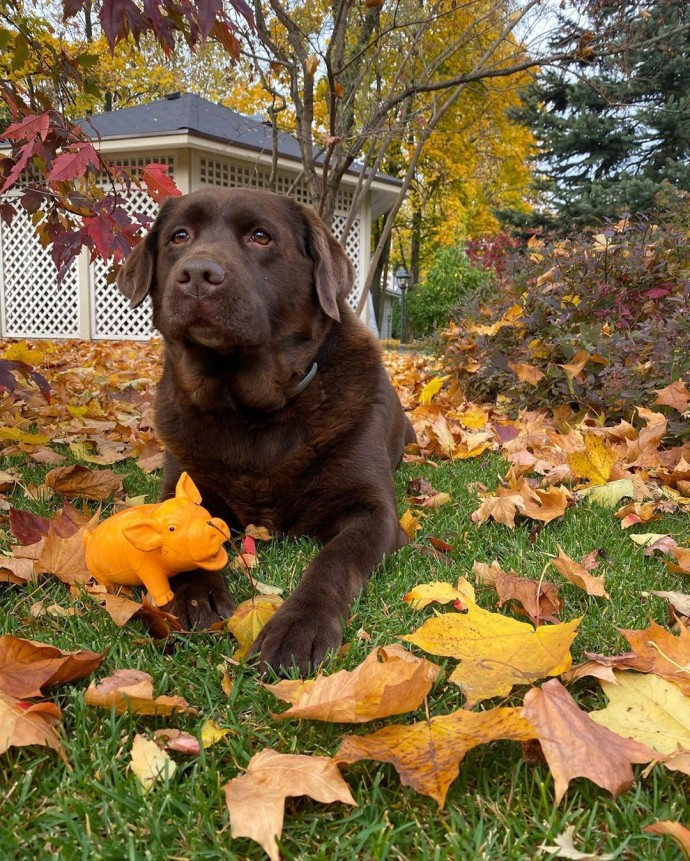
<point>499,807</point>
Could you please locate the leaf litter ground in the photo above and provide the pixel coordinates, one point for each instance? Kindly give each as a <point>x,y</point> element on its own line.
<point>525,509</point>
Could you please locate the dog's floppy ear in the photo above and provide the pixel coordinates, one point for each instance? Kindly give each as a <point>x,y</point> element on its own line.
<point>136,274</point>
<point>334,274</point>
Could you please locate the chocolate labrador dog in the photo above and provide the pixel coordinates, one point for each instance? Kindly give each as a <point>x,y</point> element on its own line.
<point>274,399</point>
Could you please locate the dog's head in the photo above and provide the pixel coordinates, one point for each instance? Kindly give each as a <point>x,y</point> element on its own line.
<point>229,269</point>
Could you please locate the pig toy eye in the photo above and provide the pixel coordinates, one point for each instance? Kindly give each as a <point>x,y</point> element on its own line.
<point>171,528</point>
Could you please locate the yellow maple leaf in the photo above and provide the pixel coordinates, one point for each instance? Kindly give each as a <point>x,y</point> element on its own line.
<point>427,755</point>
<point>596,462</point>
<point>249,618</point>
<point>496,651</point>
<point>442,593</point>
<point>527,373</point>
<point>433,387</point>
<point>410,523</point>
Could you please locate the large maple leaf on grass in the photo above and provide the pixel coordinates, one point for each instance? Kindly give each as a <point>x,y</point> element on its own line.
<point>132,690</point>
<point>427,755</point>
<point>256,800</point>
<point>576,746</point>
<point>496,651</point>
<point>389,681</point>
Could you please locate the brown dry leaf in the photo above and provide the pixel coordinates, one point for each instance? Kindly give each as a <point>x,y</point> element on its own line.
<point>27,666</point>
<point>122,610</point>
<point>132,690</point>
<point>538,598</point>
<point>23,724</point>
<point>527,373</point>
<point>249,618</point>
<point>659,651</point>
<point>545,505</point>
<point>576,365</point>
<point>256,800</point>
<point>497,652</point>
<point>65,558</point>
<point>76,480</point>
<point>575,746</point>
<point>502,508</point>
<point>427,755</point>
<point>390,681</point>
<point>636,512</point>
<point>17,570</point>
<point>488,574</point>
<point>578,575</point>
<point>678,600</point>
<point>675,395</point>
<point>682,557</point>
<point>677,832</point>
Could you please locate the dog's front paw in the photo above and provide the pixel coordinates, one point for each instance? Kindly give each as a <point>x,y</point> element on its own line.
<point>201,598</point>
<point>297,637</point>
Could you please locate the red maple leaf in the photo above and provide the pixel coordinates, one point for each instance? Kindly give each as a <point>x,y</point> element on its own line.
<point>158,184</point>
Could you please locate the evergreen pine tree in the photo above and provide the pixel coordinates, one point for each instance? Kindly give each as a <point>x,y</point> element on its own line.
<point>615,125</point>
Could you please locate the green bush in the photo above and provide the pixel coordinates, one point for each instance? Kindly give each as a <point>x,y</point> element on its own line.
<point>451,285</point>
<point>619,296</point>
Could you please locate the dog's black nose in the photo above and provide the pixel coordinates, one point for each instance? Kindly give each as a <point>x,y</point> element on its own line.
<point>200,276</point>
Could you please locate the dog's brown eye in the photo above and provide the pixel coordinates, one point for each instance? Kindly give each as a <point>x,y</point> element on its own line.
<point>180,236</point>
<point>261,237</point>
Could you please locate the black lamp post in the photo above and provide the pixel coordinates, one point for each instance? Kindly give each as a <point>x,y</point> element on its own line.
<point>402,279</point>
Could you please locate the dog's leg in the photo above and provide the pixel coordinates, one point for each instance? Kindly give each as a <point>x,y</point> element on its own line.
<point>310,622</point>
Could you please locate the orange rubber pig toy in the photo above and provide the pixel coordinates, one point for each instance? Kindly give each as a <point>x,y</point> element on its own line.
<point>148,544</point>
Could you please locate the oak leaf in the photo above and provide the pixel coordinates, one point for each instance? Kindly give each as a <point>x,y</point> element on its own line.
<point>23,723</point>
<point>27,666</point>
<point>427,755</point>
<point>574,745</point>
<point>132,691</point>
<point>496,652</point>
<point>389,681</point>
<point>578,575</point>
<point>256,800</point>
<point>648,709</point>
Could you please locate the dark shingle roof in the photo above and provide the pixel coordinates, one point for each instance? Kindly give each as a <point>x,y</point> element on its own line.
<point>180,112</point>
<point>187,112</point>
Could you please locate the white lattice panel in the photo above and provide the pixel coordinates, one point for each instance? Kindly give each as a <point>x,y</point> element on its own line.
<point>352,249</point>
<point>33,305</point>
<point>111,316</point>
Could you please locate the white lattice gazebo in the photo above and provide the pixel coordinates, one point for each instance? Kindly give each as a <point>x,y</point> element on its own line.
<point>203,144</point>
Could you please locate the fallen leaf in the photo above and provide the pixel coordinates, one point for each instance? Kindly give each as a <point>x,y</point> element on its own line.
<point>23,724</point>
<point>178,740</point>
<point>538,598</point>
<point>427,755</point>
<point>597,460</point>
<point>527,373</point>
<point>648,709</point>
<point>65,558</point>
<point>148,763</point>
<point>678,600</point>
<point>410,523</point>
<point>496,651</point>
<point>565,848</point>
<point>674,395</point>
<point>256,800</point>
<point>132,691</point>
<point>249,618</point>
<point>574,745</point>
<point>503,507</point>
<point>211,733</point>
<point>27,666</point>
<point>610,493</point>
<point>389,681</point>
<point>677,832</point>
<point>657,650</point>
<point>578,575</point>
<point>438,592</point>
<point>76,480</point>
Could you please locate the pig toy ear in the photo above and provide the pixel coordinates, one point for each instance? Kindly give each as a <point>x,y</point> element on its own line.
<point>145,535</point>
<point>186,489</point>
